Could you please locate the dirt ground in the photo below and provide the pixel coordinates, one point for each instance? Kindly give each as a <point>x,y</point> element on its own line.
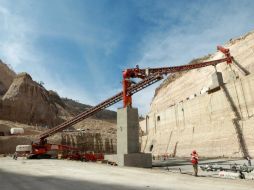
<point>64,175</point>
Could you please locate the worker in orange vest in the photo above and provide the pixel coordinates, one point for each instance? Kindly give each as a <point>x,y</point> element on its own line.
<point>194,161</point>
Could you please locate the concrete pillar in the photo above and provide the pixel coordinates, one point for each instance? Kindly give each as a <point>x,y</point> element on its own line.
<point>217,81</point>
<point>128,140</point>
<point>127,131</point>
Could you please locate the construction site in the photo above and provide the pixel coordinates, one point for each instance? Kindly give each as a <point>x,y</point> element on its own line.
<point>197,134</point>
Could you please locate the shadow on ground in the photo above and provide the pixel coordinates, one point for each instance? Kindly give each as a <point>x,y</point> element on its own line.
<point>14,181</point>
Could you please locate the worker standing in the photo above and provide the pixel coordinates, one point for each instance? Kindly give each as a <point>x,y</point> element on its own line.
<point>194,161</point>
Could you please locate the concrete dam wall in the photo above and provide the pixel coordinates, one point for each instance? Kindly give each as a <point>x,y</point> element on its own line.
<point>216,125</point>
<point>186,116</point>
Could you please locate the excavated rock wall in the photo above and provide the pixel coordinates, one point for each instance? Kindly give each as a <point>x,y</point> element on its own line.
<point>6,78</point>
<point>27,102</point>
<point>91,135</point>
<point>89,141</point>
<point>183,116</point>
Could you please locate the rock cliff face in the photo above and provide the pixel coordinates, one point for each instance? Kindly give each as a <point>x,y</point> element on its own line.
<point>92,135</point>
<point>6,78</point>
<point>27,102</point>
<point>24,100</point>
<point>184,115</point>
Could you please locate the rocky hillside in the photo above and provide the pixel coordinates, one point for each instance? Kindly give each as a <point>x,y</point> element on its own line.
<point>6,78</point>
<point>24,100</point>
<point>75,108</point>
<point>27,102</point>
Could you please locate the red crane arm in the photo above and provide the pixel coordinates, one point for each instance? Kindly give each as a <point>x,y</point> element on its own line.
<point>143,73</point>
<point>167,70</point>
<point>226,52</point>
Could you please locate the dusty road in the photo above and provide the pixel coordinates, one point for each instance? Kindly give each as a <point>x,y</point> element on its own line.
<point>71,175</point>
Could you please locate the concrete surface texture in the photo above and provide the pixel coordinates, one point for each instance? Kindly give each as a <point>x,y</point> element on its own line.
<point>127,131</point>
<point>218,124</point>
<point>69,175</point>
<point>141,160</point>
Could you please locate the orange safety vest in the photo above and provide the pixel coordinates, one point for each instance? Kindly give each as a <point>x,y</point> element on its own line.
<point>194,158</point>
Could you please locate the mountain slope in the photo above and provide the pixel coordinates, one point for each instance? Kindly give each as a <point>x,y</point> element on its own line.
<point>24,100</point>
<point>6,78</point>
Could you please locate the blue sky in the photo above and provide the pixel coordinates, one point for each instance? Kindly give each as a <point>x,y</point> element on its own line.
<point>79,48</point>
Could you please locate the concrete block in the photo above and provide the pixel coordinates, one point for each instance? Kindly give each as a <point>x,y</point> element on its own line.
<point>217,81</point>
<point>127,131</point>
<point>111,157</point>
<point>128,140</point>
<point>142,160</point>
